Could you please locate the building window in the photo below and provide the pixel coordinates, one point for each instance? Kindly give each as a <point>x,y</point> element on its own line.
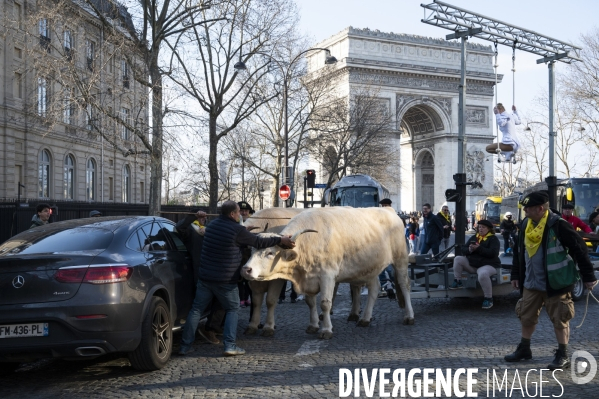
<point>90,180</point>
<point>18,16</point>
<point>142,189</point>
<point>125,68</point>
<point>44,175</point>
<point>18,93</point>
<point>68,106</point>
<point>110,188</point>
<point>126,117</point>
<point>44,31</point>
<point>90,51</point>
<point>126,184</point>
<point>67,37</point>
<point>42,96</point>
<point>69,177</point>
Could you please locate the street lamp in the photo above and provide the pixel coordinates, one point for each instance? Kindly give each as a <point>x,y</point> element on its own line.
<point>552,179</point>
<point>329,60</point>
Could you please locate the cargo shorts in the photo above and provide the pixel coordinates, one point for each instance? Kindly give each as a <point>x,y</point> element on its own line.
<point>560,308</point>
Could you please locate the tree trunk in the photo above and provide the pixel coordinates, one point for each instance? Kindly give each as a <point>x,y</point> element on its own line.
<point>213,165</point>
<point>156,154</point>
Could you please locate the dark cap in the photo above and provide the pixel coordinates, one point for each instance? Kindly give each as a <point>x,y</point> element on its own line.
<point>95,214</point>
<point>244,205</point>
<point>535,198</point>
<point>486,223</point>
<point>568,206</point>
<point>593,216</point>
<point>385,201</point>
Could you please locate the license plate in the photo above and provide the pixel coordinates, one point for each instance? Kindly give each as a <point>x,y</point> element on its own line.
<point>24,330</point>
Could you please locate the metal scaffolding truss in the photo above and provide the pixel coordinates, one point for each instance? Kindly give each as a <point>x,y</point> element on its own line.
<point>455,19</point>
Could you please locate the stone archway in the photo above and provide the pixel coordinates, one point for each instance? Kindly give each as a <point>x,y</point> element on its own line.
<point>424,123</point>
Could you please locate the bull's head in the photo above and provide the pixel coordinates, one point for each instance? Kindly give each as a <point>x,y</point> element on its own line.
<point>273,262</point>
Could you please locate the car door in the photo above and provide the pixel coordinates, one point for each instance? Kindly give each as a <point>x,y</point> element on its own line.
<point>180,261</point>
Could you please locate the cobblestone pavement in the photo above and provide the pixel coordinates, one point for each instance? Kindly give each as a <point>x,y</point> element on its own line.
<point>448,333</point>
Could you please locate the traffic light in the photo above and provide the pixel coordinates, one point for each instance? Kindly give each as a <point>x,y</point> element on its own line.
<point>310,178</point>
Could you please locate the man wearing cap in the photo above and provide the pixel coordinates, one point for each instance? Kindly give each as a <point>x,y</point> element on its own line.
<point>95,214</point>
<point>508,230</point>
<point>543,270</point>
<point>481,257</point>
<point>568,214</point>
<point>245,210</point>
<point>220,267</point>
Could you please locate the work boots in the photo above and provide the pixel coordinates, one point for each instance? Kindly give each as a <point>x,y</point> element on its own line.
<point>522,352</point>
<point>560,361</point>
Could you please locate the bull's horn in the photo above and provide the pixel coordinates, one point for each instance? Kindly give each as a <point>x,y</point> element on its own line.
<point>294,237</point>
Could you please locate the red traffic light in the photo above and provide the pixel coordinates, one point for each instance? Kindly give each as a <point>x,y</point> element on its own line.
<point>284,192</point>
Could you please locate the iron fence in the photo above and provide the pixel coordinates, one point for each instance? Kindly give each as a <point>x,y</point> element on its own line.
<point>15,216</point>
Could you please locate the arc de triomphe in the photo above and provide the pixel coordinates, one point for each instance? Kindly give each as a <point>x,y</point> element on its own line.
<point>418,77</point>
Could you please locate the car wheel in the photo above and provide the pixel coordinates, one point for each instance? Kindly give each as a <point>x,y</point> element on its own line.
<point>8,367</point>
<point>579,291</point>
<point>156,344</point>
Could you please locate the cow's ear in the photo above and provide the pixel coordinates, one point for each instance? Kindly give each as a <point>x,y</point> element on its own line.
<point>289,255</point>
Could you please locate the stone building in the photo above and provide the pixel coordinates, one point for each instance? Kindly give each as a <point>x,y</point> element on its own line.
<point>50,139</point>
<point>418,79</point>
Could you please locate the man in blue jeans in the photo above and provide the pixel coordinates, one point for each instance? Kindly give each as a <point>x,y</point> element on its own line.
<point>220,271</point>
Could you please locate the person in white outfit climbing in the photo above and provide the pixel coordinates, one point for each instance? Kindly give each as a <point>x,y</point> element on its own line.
<point>507,125</point>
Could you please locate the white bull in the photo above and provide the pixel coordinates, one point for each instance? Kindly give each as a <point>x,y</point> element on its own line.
<point>272,220</point>
<point>342,245</point>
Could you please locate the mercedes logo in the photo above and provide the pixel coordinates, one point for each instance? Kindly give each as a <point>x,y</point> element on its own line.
<point>18,281</point>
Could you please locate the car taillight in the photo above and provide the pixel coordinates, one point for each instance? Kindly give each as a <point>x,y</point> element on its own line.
<point>72,274</point>
<point>108,274</point>
<point>104,274</point>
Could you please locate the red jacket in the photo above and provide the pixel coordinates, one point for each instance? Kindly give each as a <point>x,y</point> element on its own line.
<point>577,223</point>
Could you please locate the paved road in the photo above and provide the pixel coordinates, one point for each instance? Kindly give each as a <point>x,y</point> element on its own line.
<point>448,333</point>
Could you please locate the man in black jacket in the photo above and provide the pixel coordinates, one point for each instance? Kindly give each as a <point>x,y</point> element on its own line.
<point>542,270</point>
<point>508,230</point>
<point>445,219</point>
<point>433,231</point>
<point>220,271</point>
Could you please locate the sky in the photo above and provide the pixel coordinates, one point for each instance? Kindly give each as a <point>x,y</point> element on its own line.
<point>562,20</point>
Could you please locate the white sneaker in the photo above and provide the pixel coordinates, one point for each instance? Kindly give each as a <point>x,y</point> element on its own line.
<point>300,298</point>
<point>364,291</point>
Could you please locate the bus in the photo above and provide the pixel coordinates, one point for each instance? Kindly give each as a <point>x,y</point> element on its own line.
<point>583,193</point>
<point>358,191</point>
<point>489,209</point>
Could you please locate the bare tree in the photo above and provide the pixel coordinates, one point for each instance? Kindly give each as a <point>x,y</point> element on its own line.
<point>580,83</point>
<point>352,135</point>
<point>263,148</point>
<point>149,26</point>
<point>238,31</point>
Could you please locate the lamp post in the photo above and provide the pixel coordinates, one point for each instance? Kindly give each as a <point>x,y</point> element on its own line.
<point>552,178</point>
<point>286,69</point>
